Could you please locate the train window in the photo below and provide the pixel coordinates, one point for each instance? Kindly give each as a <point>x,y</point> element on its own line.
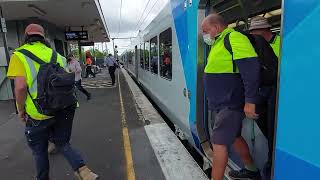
<point>165,39</point>
<point>141,56</point>
<point>147,55</point>
<point>154,55</point>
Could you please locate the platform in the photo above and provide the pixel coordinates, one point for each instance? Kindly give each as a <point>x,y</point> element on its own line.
<point>151,151</point>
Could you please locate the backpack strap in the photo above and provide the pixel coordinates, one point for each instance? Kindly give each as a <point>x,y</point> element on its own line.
<point>53,57</point>
<point>31,56</point>
<point>228,46</point>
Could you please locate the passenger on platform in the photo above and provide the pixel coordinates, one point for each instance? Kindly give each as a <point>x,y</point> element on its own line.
<point>24,68</point>
<point>89,65</point>
<point>74,66</point>
<point>112,65</point>
<point>260,26</point>
<point>231,86</point>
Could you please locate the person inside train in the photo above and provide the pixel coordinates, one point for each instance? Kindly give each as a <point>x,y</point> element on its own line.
<point>231,85</point>
<point>267,113</point>
<point>154,65</point>
<point>260,26</point>
<point>167,65</point>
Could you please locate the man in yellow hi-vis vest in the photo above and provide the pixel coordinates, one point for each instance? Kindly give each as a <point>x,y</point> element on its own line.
<point>260,26</point>
<point>232,83</point>
<point>40,127</point>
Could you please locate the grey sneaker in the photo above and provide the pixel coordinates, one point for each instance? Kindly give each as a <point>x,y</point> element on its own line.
<point>245,174</point>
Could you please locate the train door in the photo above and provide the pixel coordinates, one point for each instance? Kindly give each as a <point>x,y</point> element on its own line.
<point>237,13</point>
<point>297,142</point>
<point>136,62</point>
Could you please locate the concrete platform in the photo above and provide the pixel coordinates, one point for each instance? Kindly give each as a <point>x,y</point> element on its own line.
<point>153,152</point>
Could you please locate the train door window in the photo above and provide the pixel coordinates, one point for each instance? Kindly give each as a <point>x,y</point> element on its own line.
<point>154,55</point>
<point>165,39</point>
<point>141,56</point>
<point>147,55</point>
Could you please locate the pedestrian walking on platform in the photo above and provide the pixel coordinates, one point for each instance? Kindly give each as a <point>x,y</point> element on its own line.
<point>112,66</point>
<point>74,66</point>
<point>89,65</point>
<point>40,76</point>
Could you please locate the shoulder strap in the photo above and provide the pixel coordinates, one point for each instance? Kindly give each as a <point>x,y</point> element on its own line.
<point>31,56</point>
<point>228,46</point>
<point>53,57</point>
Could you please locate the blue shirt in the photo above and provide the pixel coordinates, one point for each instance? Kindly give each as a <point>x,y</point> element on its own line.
<point>111,61</point>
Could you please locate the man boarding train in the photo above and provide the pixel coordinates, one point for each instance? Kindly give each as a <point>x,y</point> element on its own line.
<point>233,81</point>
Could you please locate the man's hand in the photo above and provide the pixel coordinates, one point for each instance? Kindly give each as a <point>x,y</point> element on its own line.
<point>250,111</point>
<point>22,115</point>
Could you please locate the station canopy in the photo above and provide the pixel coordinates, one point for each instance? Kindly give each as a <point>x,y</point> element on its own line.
<point>65,14</point>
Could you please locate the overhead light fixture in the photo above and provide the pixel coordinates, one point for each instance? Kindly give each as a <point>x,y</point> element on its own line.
<point>37,10</point>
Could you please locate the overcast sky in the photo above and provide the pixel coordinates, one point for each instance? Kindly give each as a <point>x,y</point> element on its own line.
<point>131,20</point>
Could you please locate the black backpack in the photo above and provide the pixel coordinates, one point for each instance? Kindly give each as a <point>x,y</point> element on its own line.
<point>56,87</point>
<point>267,58</point>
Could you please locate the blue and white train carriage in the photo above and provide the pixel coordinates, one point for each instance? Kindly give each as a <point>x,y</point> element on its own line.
<point>168,59</point>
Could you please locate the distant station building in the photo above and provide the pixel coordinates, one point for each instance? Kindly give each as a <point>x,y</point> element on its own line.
<point>66,22</point>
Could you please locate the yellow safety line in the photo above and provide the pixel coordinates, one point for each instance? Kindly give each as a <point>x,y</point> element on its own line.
<point>126,139</point>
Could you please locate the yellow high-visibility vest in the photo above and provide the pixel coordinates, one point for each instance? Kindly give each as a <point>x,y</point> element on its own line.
<point>32,69</point>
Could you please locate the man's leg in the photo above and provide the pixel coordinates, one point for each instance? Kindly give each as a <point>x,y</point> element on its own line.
<point>84,91</point>
<point>37,135</point>
<point>241,147</point>
<point>87,72</point>
<point>270,132</point>
<point>220,161</point>
<point>250,171</point>
<point>113,77</point>
<point>61,136</point>
<point>91,72</point>
<point>227,124</point>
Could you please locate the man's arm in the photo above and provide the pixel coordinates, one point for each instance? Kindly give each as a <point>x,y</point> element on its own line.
<point>248,63</point>
<point>78,67</point>
<point>17,72</point>
<point>21,95</point>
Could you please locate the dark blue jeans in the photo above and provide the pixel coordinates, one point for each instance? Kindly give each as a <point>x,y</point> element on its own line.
<point>58,129</point>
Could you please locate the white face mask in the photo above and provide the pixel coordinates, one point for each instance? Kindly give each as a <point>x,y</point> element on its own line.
<point>208,40</point>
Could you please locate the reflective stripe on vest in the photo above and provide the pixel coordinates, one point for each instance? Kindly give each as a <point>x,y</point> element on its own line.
<point>34,87</point>
<point>32,69</point>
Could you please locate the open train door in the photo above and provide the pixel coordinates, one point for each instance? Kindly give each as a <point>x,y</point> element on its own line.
<point>237,13</point>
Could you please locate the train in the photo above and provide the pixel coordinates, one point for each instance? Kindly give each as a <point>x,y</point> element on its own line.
<point>168,57</point>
